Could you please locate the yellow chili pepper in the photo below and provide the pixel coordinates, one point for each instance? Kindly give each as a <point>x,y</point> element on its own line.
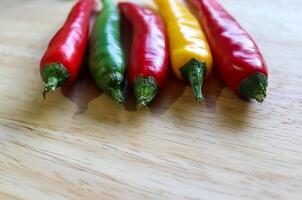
<point>190,53</point>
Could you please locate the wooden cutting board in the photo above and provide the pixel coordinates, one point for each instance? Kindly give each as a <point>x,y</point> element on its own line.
<point>79,144</point>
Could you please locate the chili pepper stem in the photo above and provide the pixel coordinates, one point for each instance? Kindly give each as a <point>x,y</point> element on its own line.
<point>112,83</point>
<point>145,90</point>
<point>117,95</point>
<point>254,87</point>
<point>194,72</point>
<point>54,75</point>
<point>50,85</point>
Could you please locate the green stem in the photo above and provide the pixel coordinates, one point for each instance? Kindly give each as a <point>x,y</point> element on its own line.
<point>112,83</point>
<point>50,85</point>
<point>194,72</point>
<point>254,87</point>
<point>145,90</point>
<point>54,75</point>
<point>116,94</point>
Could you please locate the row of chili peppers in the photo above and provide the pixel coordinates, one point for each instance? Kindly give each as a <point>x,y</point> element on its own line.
<point>174,31</point>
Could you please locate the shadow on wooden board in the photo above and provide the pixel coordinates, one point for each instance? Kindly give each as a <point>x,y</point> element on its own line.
<point>212,89</point>
<point>168,95</point>
<point>82,92</point>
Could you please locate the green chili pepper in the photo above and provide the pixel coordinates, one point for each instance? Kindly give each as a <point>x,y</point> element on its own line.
<point>106,59</point>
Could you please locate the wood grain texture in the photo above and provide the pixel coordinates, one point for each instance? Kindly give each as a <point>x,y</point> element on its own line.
<point>79,144</point>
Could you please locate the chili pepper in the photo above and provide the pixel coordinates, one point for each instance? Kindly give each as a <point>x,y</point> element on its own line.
<point>106,59</point>
<point>239,61</point>
<point>61,63</point>
<point>148,62</point>
<point>190,52</point>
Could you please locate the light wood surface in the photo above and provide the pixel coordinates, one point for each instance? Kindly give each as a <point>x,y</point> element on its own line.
<point>79,144</point>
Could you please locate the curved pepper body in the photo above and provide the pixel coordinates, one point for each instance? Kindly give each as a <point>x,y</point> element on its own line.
<point>106,58</point>
<point>68,46</point>
<point>149,50</point>
<point>235,52</point>
<point>186,38</point>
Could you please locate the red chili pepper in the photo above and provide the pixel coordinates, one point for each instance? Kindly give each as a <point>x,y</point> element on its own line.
<point>239,60</point>
<point>148,62</point>
<point>61,62</point>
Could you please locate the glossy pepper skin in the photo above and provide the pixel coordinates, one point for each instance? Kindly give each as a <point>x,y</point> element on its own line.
<point>62,61</point>
<point>106,57</point>
<point>148,62</point>
<point>190,53</point>
<point>239,60</point>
